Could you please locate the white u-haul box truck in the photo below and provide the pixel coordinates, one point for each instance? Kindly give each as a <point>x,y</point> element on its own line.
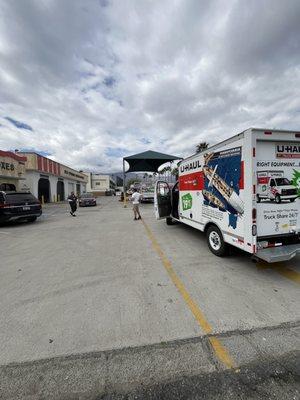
<point>220,192</point>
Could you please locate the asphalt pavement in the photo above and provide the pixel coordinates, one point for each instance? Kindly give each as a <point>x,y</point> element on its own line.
<point>101,305</point>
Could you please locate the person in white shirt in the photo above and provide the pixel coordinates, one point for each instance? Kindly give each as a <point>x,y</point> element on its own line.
<point>136,197</point>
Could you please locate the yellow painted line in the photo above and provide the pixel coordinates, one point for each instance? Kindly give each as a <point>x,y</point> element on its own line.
<point>282,270</point>
<point>220,351</point>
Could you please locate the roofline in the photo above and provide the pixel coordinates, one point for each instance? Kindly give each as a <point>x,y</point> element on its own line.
<point>57,162</point>
<point>12,155</point>
<point>236,135</point>
<point>273,130</point>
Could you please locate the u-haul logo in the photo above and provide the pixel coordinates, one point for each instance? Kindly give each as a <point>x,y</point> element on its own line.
<point>287,150</point>
<point>190,166</point>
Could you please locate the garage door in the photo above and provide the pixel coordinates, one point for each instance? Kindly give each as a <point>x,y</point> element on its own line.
<point>71,187</point>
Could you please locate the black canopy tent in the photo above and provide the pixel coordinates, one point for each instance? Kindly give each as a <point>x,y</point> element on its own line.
<point>147,161</point>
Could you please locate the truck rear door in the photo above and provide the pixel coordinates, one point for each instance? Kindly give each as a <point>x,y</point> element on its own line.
<point>278,203</point>
<point>278,210</point>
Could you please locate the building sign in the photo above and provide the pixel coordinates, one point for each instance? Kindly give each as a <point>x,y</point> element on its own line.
<point>7,166</point>
<point>72,174</point>
<point>12,165</point>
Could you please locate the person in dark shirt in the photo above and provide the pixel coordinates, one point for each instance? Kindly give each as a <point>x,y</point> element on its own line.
<point>72,199</point>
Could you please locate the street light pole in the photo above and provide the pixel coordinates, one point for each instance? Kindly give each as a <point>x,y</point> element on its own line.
<point>124,190</point>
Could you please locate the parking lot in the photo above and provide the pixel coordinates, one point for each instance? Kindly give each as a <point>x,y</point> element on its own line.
<point>116,302</point>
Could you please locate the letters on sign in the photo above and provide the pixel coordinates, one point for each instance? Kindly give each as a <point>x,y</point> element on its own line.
<point>7,166</point>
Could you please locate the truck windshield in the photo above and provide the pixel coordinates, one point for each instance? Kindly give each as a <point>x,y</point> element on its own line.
<point>282,182</point>
<point>148,189</point>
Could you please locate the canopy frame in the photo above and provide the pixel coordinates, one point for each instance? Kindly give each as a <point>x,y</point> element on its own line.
<point>147,161</point>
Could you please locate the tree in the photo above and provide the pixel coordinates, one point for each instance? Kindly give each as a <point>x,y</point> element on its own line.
<point>174,171</point>
<point>201,147</point>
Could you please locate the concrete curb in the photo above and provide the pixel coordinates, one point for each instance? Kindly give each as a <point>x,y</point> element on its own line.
<point>88,376</point>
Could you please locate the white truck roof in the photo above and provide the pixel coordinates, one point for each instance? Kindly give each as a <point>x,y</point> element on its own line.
<point>238,136</point>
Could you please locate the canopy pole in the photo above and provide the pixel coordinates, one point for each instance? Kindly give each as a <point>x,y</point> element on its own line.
<point>124,189</point>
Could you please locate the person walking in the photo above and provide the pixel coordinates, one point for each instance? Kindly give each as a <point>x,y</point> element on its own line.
<point>136,198</point>
<point>72,199</point>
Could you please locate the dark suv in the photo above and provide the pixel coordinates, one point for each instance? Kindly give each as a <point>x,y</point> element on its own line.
<point>19,206</point>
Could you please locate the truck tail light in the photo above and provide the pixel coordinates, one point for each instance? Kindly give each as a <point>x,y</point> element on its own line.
<point>254,230</point>
<point>297,135</point>
<point>254,214</point>
<point>268,133</point>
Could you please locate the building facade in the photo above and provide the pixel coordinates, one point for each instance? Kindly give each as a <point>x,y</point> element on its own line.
<point>51,181</point>
<point>12,171</point>
<point>100,184</point>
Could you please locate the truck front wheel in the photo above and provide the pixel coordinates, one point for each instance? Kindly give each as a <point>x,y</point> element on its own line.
<point>216,242</point>
<point>277,199</point>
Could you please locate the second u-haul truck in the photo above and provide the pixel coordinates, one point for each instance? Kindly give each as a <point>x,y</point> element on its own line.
<point>244,192</point>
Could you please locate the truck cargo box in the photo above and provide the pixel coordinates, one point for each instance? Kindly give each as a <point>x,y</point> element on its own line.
<point>243,191</point>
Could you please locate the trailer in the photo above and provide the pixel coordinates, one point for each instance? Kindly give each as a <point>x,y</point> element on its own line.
<point>243,192</point>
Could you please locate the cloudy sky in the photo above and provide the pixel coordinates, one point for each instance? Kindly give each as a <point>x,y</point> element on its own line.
<point>89,81</point>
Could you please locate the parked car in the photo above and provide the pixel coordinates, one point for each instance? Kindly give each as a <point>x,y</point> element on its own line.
<point>87,199</point>
<point>147,192</point>
<point>110,192</point>
<point>19,206</point>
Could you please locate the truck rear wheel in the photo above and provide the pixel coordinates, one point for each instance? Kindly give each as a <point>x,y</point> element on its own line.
<point>169,221</point>
<point>258,198</point>
<point>216,242</point>
<point>277,199</point>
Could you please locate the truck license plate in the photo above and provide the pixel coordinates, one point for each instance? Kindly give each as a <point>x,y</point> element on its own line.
<point>26,208</point>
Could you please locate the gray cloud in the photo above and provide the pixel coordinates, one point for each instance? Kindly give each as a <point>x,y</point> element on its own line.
<point>95,78</point>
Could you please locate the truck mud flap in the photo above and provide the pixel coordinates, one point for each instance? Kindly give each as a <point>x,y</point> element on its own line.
<point>280,253</point>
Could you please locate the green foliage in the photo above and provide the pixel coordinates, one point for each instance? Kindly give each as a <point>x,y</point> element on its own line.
<point>201,147</point>
<point>174,171</point>
<point>296,181</point>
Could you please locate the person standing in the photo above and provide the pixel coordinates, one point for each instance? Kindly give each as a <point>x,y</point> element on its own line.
<point>72,199</point>
<point>136,198</point>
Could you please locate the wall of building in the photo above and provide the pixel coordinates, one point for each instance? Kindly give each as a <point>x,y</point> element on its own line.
<point>33,178</point>
<point>51,180</point>
<point>40,175</point>
<point>98,184</point>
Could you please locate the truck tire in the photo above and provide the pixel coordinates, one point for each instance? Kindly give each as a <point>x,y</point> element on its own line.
<point>257,198</point>
<point>277,199</point>
<point>216,242</point>
<point>169,221</point>
<point>291,200</point>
